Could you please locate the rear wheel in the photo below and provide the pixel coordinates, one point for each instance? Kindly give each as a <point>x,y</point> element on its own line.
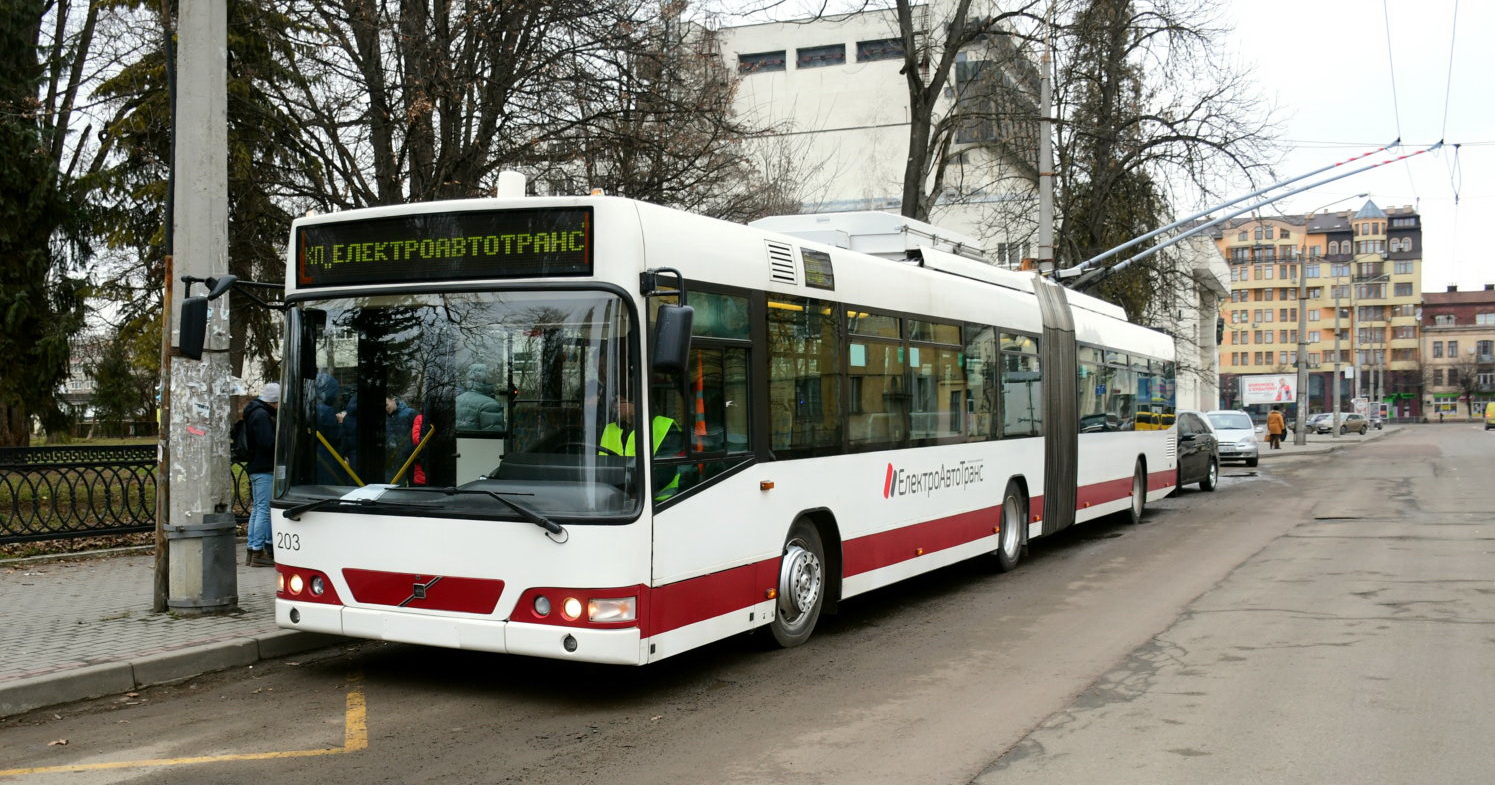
<point>1212,477</point>
<point>801,588</point>
<point>1139,495</point>
<point>1014,517</point>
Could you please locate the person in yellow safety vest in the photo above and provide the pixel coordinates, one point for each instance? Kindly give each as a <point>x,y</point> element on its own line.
<point>618,439</point>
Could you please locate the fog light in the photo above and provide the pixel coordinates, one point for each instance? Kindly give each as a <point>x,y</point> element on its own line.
<point>569,642</point>
<point>297,584</point>
<point>571,609</point>
<point>542,606</point>
<point>318,586</point>
<point>613,610</point>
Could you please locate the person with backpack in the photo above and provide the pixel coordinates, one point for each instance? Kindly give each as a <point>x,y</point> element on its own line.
<point>259,433</point>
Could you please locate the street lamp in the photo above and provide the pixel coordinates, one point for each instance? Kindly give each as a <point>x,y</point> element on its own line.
<point>1300,433</point>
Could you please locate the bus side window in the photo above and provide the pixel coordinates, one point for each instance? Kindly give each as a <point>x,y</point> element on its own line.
<point>713,415</point>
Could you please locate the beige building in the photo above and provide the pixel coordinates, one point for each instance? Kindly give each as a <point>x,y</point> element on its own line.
<point>1458,350</point>
<point>1347,284</point>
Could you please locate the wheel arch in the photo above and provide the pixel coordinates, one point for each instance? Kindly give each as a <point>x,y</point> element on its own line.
<point>825,523</point>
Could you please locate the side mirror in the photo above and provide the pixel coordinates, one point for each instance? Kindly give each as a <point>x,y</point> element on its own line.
<point>194,327</point>
<point>672,338</point>
<point>311,320</point>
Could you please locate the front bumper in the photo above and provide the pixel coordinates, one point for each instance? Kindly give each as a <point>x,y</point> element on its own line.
<point>614,646</point>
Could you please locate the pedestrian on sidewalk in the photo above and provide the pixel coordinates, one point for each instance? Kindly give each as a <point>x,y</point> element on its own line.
<point>259,428</point>
<point>1276,427</point>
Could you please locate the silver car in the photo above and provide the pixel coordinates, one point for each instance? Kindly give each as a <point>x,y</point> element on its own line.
<point>1236,434</point>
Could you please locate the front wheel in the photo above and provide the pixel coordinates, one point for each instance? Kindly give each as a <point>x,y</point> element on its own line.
<point>1212,477</point>
<point>1343,430</point>
<point>801,589</point>
<point>1252,461</point>
<point>1014,517</point>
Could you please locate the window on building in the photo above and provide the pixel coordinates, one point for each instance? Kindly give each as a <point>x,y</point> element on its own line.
<point>1269,232</point>
<point>1242,237</point>
<point>1453,348</point>
<point>1315,292</point>
<point>1403,267</point>
<point>1258,232</point>
<point>1437,377</point>
<point>820,56</point>
<point>881,49</point>
<point>1484,318</point>
<point>1485,350</point>
<point>1444,320</point>
<point>1286,233</point>
<point>1453,377</point>
<point>1402,289</point>
<point>1268,270</point>
<point>1339,269</point>
<point>760,62</point>
<point>1315,252</point>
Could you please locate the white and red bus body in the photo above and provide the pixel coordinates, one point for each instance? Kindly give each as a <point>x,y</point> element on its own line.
<point>672,568</point>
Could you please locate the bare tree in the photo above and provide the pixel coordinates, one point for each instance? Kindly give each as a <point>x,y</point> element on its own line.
<point>1150,118</point>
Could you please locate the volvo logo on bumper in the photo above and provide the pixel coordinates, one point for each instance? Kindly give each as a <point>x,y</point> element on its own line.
<point>418,591</point>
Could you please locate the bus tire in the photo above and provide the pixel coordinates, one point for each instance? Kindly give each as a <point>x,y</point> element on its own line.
<point>801,587</point>
<point>1138,507</point>
<point>1010,543</point>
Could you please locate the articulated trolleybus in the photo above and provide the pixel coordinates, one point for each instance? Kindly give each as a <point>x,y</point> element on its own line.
<point>592,428</point>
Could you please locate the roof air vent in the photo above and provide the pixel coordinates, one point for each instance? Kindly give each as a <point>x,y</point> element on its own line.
<point>781,263</point>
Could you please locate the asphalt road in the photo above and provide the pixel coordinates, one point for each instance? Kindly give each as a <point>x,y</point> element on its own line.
<point>1322,618</point>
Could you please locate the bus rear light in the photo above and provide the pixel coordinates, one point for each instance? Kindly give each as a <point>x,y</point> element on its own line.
<point>611,611</point>
<point>571,609</point>
<point>302,585</point>
<point>542,606</point>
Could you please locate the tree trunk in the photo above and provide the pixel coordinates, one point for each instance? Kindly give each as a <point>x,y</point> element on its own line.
<point>15,426</point>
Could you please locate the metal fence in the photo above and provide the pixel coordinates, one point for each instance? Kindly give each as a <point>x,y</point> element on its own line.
<point>52,493</point>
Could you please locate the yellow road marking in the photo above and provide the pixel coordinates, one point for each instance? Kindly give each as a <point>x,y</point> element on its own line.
<point>355,738</point>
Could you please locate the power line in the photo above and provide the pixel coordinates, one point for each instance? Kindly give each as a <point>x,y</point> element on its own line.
<point>1453,36</point>
<point>1395,101</point>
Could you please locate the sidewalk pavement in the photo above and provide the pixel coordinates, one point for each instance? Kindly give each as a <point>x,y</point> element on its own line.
<point>1318,444</point>
<point>81,626</point>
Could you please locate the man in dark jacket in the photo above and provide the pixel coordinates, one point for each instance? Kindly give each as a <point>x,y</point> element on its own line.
<point>259,429</point>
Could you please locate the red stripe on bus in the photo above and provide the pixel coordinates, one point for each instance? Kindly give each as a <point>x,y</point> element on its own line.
<point>676,605</point>
<point>692,600</point>
<point>874,551</point>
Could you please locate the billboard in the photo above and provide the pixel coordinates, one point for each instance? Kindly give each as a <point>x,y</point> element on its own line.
<point>1269,388</point>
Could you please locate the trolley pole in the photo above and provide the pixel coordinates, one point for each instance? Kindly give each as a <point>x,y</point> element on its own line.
<point>199,521</point>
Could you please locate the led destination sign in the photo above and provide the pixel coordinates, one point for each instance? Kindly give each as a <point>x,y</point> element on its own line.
<point>446,247</point>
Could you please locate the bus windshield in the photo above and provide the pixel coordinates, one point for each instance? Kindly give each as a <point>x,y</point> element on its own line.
<point>486,392</point>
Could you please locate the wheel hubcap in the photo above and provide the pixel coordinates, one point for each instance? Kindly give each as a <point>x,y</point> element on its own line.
<point>1012,520</point>
<point>799,583</point>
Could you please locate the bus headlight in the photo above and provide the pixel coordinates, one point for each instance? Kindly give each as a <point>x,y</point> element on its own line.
<point>611,610</point>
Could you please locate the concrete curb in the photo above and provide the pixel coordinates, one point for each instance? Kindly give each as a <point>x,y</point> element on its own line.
<point>96,681</point>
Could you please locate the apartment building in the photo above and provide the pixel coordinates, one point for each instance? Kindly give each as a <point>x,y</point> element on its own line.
<point>1348,284</point>
<point>1458,352</point>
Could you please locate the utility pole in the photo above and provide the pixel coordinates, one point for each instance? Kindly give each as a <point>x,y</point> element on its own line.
<point>1046,163</point>
<point>198,525</point>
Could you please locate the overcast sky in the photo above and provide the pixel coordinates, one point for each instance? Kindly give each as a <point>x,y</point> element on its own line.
<point>1343,90</point>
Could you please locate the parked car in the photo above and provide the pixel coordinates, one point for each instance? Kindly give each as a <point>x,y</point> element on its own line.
<point>1198,451</point>
<point>1236,434</point>
<point>1349,422</point>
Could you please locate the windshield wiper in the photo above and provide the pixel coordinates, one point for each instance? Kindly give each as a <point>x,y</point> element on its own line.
<point>364,496</point>
<point>553,530</point>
